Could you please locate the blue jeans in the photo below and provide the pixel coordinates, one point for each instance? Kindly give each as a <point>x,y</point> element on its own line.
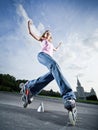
<point>54,73</point>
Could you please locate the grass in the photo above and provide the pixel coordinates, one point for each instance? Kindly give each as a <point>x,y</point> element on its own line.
<point>88,101</point>
<point>3,88</point>
<point>79,100</point>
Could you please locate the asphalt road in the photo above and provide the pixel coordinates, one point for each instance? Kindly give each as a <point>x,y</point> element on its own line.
<point>14,117</point>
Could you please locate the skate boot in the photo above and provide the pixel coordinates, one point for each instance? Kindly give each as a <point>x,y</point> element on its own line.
<point>70,105</point>
<point>26,95</point>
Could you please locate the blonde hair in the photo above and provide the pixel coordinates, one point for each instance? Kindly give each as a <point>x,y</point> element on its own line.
<point>43,36</point>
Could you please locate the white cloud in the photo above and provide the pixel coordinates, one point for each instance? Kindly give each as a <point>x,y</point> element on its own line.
<point>78,52</point>
<point>24,19</point>
<point>18,54</point>
<point>79,57</point>
<point>92,41</point>
<point>21,12</point>
<point>76,57</point>
<point>41,27</point>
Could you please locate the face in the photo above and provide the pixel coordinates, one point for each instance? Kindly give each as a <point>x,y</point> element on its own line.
<point>48,35</point>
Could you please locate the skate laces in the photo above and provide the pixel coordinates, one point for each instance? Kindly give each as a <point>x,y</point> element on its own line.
<point>27,92</point>
<point>69,104</point>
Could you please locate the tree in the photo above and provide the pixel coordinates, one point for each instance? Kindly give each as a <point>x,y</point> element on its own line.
<point>9,83</point>
<point>92,97</point>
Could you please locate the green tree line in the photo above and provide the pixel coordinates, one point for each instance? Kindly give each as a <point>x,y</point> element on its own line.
<point>9,83</point>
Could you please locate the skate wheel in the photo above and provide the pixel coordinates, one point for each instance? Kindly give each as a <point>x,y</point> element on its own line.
<point>25,105</point>
<point>21,85</point>
<point>72,116</point>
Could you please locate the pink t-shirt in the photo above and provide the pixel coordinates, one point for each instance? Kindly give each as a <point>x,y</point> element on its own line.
<point>47,47</point>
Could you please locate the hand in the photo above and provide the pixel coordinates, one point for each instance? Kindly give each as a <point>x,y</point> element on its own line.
<point>60,43</point>
<point>29,28</point>
<point>30,22</point>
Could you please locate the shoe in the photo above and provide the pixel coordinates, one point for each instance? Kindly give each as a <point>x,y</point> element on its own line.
<point>26,98</point>
<point>26,95</point>
<point>69,104</point>
<point>72,116</point>
<point>22,87</point>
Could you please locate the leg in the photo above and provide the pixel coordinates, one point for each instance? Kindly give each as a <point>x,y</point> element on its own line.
<point>33,87</point>
<point>38,84</point>
<point>64,86</point>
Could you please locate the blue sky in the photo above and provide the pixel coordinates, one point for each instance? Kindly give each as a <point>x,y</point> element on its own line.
<point>74,22</point>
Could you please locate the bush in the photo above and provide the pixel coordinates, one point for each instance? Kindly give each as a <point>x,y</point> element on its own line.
<point>92,97</point>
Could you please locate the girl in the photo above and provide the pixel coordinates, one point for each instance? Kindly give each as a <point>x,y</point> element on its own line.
<point>33,87</point>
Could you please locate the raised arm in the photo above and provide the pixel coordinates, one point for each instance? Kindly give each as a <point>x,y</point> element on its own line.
<point>31,33</point>
<point>55,49</point>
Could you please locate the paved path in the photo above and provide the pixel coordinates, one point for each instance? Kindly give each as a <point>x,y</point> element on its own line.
<point>55,117</point>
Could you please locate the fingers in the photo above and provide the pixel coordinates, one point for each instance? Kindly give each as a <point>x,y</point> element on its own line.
<point>29,21</point>
<point>60,43</point>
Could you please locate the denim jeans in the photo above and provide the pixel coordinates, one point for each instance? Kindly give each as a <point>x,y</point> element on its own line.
<point>38,84</point>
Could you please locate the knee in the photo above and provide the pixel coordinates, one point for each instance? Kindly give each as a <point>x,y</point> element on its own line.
<point>53,65</point>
